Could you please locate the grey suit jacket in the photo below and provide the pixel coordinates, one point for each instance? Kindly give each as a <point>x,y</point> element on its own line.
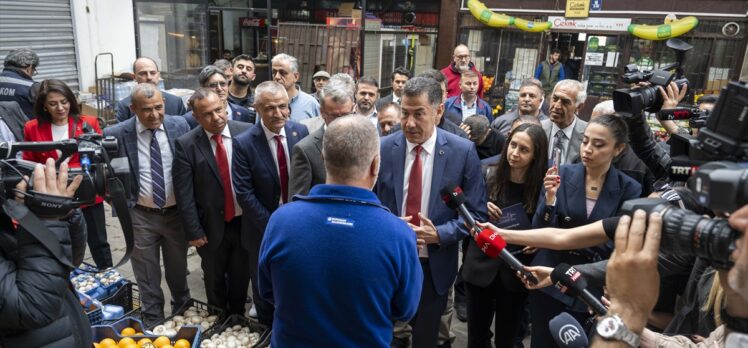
<point>313,124</point>
<point>384,100</point>
<point>307,166</point>
<point>572,154</point>
<point>14,117</point>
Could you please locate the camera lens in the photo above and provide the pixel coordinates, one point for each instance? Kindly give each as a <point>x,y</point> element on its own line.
<point>687,233</point>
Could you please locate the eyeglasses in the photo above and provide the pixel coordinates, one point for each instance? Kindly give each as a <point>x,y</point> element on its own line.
<point>463,56</point>
<point>216,84</point>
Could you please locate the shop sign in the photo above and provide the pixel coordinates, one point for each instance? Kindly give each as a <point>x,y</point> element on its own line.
<point>594,59</point>
<point>251,22</point>
<point>577,8</point>
<point>590,24</point>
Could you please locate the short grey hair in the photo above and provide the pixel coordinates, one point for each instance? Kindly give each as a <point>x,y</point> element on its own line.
<point>581,93</point>
<point>146,89</point>
<point>200,94</point>
<point>340,87</point>
<point>603,108</point>
<point>349,146</point>
<point>207,72</point>
<point>291,60</point>
<point>532,82</point>
<point>479,126</point>
<point>223,64</point>
<point>269,87</point>
<point>21,58</point>
<point>419,85</point>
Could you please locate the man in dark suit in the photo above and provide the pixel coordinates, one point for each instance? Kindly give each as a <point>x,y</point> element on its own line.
<point>12,120</point>
<point>213,78</point>
<point>146,71</point>
<point>307,166</point>
<point>147,140</point>
<point>414,170</point>
<point>400,76</point>
<point>260,163</point>
<point>565,129</point>
<point>205,197</point>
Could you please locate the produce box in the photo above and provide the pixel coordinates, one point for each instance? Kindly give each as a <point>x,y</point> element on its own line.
<point>210,317</point>
<point>109,335</point>
<point>127,297</point>
<point>239,330</point>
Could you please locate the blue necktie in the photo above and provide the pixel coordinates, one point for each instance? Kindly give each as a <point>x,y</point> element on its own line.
<point>157,173</point>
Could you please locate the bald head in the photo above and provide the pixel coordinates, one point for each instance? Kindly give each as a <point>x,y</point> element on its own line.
<point>350,149</point>
<point>146,70</point>
<point>461,58</point>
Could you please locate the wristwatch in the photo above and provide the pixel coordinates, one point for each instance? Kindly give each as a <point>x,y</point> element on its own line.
<point>612,328</point>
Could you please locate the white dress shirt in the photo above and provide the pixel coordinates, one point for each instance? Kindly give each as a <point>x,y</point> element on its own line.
<point>145,195</point>
<point>468,110</point>
<point>270,136</point>
<point>427,173</point>
<point>395,99</point>
<point>60,133</point>
<point>569,132</point>
<point>226,138</point>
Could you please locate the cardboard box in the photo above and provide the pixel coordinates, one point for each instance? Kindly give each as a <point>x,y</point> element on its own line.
<point>346,10</point>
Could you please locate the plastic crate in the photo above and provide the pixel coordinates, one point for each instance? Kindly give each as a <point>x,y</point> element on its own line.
<point>212,310</point>
<point>127,297</point>
<point>190,333</point>
<point>125,322</point>
<point>98,292</point>
<point>91,308</point>
<point>253,326</point>
<point>94,316</point>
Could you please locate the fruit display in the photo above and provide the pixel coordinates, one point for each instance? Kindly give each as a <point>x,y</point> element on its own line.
<point>144,342</point>
<point>192,316</point>
<point>236,336</point>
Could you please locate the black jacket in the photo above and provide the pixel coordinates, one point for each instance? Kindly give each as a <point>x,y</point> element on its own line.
<point>654,156</point>
<point>37,307</point>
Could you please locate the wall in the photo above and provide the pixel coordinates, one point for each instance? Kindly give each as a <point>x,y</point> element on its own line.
<point>103,26</point>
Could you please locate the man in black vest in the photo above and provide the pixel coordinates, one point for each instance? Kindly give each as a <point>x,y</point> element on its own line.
<point>16,83</point>
<point>550,71</point>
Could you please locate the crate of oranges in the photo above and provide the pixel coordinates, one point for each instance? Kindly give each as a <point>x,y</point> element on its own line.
<point>129,333</point>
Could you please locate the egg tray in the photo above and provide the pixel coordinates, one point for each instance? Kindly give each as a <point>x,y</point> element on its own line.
<point>100,332</point>
<point>212,310</point>
<point>241,320</point>
<point>101,290</point>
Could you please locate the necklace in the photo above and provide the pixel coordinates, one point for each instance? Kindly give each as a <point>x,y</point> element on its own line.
<point>593,188</point>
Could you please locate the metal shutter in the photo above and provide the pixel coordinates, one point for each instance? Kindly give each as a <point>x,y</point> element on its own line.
<point>45,26</point>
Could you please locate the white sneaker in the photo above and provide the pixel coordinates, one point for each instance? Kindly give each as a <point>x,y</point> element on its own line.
<point>252,313</point>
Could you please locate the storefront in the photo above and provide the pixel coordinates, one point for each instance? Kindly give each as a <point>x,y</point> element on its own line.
<point>596,49</point>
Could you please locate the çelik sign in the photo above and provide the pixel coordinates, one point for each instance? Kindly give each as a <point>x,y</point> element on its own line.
<point>590,24</point>
<point>577,9</point>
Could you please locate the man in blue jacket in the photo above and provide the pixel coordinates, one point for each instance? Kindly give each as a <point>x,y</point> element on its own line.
<point>16,82</point>
<point>356,261</point>
<point>468,103</point>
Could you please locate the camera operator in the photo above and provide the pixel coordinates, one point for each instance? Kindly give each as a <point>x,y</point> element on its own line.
<point>631,280</point>
<point>37,307</point>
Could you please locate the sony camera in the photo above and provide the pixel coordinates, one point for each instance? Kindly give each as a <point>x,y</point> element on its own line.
<point>633,101</point>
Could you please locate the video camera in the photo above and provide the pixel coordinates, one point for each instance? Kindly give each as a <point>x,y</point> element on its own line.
<point>635,100</point>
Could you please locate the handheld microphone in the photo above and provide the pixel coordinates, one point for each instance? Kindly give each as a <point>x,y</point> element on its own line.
<point>490,242</point>
<point>567,332</point>
<point>571,282</point>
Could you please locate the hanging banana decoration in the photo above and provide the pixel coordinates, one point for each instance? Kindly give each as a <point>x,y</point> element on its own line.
<point>532,26</point>
<point>488,17</point>
<point>672,28</point>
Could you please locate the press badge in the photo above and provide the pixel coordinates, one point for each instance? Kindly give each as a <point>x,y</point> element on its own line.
<point>339,221</point>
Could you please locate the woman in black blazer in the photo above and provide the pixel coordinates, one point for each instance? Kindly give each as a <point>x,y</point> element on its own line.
<point>492,288</point>
<point>575,195</point>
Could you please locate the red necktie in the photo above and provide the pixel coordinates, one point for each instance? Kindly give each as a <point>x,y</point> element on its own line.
<point>222,160</point>
<point>413,202</point>
<point>283,168</point>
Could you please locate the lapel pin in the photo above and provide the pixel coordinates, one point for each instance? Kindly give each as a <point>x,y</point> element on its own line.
<point>441,152</point>
<point>294,133</point>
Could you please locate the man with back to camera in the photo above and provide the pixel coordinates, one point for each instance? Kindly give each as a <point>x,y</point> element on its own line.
<point>286,72</point>
<point>531,97</point>
<point>550,71</point>
<point>357,261</point>
<point>414,163</point>
<point>461,63</point>
<point>207,204</point>
<point>146,71</point>
<point>16,79</point>
<point>400,76</point>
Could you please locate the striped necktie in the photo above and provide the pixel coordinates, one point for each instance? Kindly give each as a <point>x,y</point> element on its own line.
<point>157,173</point>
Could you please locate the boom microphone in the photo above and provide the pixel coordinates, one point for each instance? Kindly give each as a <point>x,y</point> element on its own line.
<point>489,242</point>
<point>571,282</point>
<point>567,332</point>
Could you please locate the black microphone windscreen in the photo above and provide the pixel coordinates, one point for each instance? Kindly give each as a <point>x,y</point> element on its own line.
<point>452,196</point>
<point>567,332</point>
<point>568,279</point>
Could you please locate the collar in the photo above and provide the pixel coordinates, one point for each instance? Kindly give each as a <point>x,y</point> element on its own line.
<point>568,131</point>
<point>225,133</point>
<point>342,192</point>
<point>395,99</point>
<point>140,128</point>
<point>429,145</point>
<point>229,111</point>
<point>269,134</point>
<point>373,112</point>
<point>464,104</point>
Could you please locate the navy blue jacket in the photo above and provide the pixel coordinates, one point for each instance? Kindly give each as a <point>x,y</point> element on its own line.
<point>571,211</point>
<point>239,114</point>
<point>463,170</point>
<point>353,259</point>
<point>127,137</point>
<point>174,106</point>
<point>454,105</point>
<point>18,87</point>
<point>256,181</point>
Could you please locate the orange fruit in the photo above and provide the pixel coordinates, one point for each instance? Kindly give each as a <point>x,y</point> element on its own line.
<point>128,331</point>
<point>125,342</point>
<point>138,334</point>
<point>167,346</point>
<point>143,341</point>
<point>129,345</point>
<point>107,343</point>
<point>96,345</point>
<point>162,341</point>
<point>182,343</point>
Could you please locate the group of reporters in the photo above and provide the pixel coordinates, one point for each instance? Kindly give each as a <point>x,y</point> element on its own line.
<point>215,176</point>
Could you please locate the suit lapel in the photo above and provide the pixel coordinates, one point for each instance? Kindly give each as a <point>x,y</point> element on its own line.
<point>292,137</point>
<point>318,136</point>
<point>169,136</point>
<point>575,141</point>
<point>263,150</point>
<point>399,147</point>
<point>203,145</point>
<point>440,163</point>
<point>610,195</point>
<point>576,192</point>
<point>131,146</point>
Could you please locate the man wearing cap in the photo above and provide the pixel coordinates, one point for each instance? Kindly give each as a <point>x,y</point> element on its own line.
<point>320,78</point>
<point>16,83</point>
